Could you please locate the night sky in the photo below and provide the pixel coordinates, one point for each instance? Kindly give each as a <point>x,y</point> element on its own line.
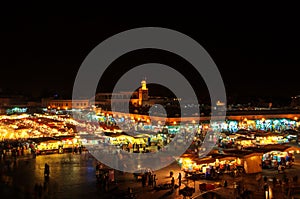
<point>41,50</point>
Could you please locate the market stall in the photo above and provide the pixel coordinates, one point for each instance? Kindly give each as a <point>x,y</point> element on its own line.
<point>244,142</point>
<point>270,138</point>
<point>232,162</point>
<point>241,161</point>
<point>275,155</point>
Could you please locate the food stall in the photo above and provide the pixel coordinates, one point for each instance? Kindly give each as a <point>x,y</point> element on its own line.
<point>232,161</point>
<point>49,146</point>
<point>197,166</point>
<point>242,161</point>
<point>275,155</point>
<point>244,142</point>
<point>270,138</point>
<point>61,144</point>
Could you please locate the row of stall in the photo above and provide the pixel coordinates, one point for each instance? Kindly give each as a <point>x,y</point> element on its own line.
<point>245,138</point>
<point>248,161</point>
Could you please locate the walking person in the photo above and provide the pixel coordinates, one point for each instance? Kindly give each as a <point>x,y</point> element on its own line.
<point>46,170</point>
<point>80,149</point>
<point>171,174</point>
<point>150,180</point>
<point>154,180</point>
<point>225,183</point>
<point>172,183</point>
<point>179,179</point>
<point>144,179</point>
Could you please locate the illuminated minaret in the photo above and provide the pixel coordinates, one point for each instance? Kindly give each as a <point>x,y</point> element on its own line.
<point>143,92</point>
<point>144,85</point>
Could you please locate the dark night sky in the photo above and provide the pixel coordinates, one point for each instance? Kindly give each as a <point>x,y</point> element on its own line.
<point>257,53</point>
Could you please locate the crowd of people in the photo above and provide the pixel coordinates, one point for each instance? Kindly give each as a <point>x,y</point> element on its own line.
<point>148,178</point>
<point>14,148</point>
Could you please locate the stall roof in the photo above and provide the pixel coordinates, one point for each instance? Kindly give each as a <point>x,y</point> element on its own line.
<point>213,151</point>
<point>142,136</point>
<point>205,160</point>
<point>42,139</point>
<point>111,134</point>
<point>270,147</point>
<point>242,131</point>
<point>64,137</point>
<point>45,139</point>
<point>266,134</point>
<point>295,148</point>
<point>189,155</point>
<point>291,132</point>
<point>236,155</point>
<point>244,138</point>
<point>239,153</point>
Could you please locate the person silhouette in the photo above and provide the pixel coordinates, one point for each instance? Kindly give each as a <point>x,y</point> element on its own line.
<point>46,170</point>
<point>179,179</point>
<point>172,182</point>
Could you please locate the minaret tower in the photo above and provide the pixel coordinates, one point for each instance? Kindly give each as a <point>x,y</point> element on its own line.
<point>143,93</point>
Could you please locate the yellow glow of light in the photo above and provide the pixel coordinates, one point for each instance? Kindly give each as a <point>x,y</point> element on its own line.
<point>144,87</point>
<point>187,161</point>
<point>295,118</point>
<point>174,122</point>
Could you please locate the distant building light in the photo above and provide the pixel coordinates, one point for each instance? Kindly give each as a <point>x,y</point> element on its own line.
<point>219,103</point>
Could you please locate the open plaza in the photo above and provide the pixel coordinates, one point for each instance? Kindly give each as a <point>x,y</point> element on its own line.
<point>248,159</point>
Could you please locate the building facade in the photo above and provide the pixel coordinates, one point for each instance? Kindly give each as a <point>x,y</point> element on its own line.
<point>65,104</point>
<point>122,99</point>
<point>118,99</point>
